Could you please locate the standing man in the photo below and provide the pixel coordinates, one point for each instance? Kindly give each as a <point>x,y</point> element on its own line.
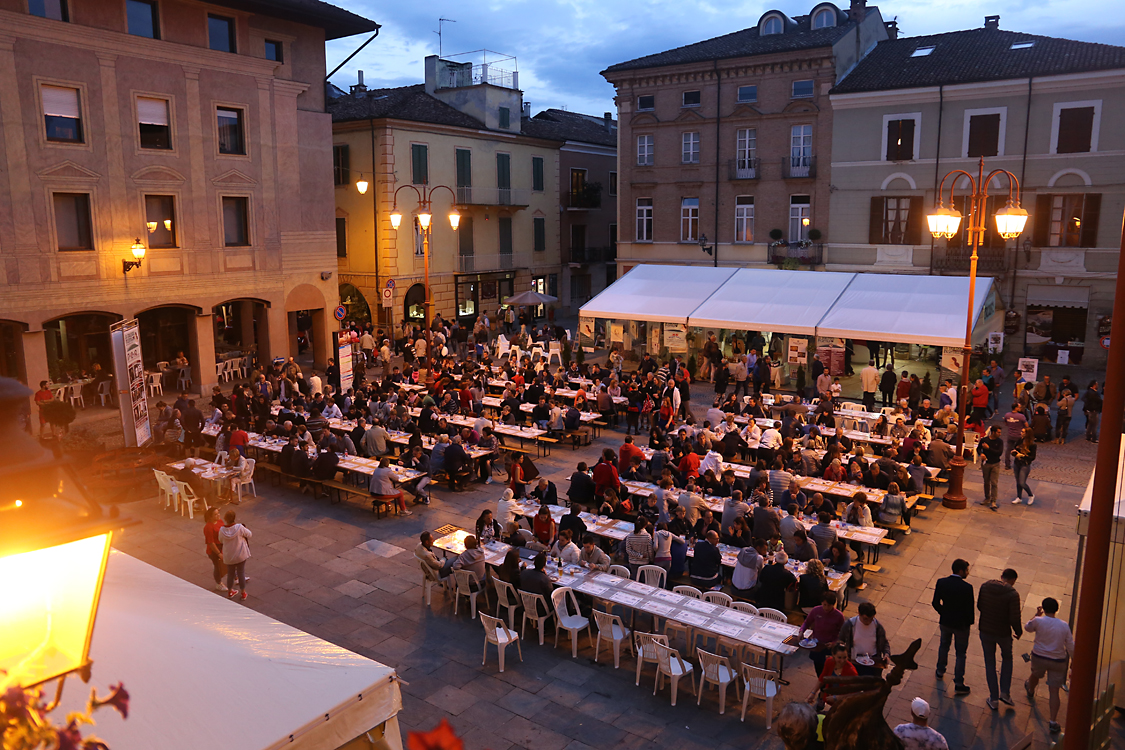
<point>1062,421</point>
<point>869,378</point>
<point>999,605</point>
<point>1049,656</point>
<point>953,601</point>
<point>367,344</point>
<point>991,448</point>
<point>1092,408</point>
<point>887,385</point>
<point>1015,422</point>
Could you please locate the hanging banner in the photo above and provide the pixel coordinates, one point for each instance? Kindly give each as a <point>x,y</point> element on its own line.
<point>798,352</point>
<point>1028,367</point>
<point>616,333</point>
<point>654,334</point>
<point>952,357</point>
<point>675,337</point>
<point>129,378</point>
<point>344,362</point>
<point>586,331</point>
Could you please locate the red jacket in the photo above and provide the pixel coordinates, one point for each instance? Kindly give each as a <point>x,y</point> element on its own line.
<point>605,477</point>
<point>627,453</point>
<point>689,464</point>
<point>980,395</point>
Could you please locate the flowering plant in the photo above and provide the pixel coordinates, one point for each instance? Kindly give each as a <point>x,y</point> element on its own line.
<point>25,724</point>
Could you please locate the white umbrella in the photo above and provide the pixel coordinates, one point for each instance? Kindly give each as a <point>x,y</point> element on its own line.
<point>530,298</point>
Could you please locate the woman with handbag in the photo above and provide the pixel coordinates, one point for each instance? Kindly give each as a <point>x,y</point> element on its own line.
<point>1023,456</point>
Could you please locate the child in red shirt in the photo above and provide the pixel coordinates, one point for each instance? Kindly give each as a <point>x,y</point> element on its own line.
<point>837,665</point>
<point>214,546</point>
<point>42,395</point>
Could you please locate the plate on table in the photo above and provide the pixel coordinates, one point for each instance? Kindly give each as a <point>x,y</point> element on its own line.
<point>866,661</point>
<point>808,643</point>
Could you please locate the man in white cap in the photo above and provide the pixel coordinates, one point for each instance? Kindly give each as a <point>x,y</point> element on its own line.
<point>917,735</point>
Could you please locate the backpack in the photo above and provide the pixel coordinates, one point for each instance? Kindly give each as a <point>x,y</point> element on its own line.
<point>856,581</point>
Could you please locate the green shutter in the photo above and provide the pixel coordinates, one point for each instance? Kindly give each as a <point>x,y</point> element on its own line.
<point>341,237</point>
<point>420,167</point>
<point>537,173</point>
<point>505,225</point>
<point>464,168</point>
<point>540,225</point>
<point>504,171</point>
<point>505,118</point>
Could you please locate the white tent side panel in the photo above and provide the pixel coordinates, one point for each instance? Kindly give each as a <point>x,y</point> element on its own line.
<point>206,672</point>
<point>657,294</point>
<point>779,301</point>
<point>927,310</point>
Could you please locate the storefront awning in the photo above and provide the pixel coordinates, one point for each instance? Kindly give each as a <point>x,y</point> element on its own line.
<point>779,301</point>
<point>657,294</point>
<point>927,310</point>
<point>1047,295</point>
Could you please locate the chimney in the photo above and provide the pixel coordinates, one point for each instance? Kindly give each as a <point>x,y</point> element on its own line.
<point>359,89</point>
<point>992,22</point>
<point>892,29</point>
<point>527,110</point>
<point>857,10</point>
<point>608,119</point>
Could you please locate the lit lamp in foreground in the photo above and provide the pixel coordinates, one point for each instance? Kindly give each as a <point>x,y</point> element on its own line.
<point>54,545</point>
<point>138,249</point>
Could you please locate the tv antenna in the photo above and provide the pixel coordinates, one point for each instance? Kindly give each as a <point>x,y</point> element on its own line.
<point>440,21</point>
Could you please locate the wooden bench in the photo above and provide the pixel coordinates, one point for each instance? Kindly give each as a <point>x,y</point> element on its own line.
<point>891,528</point>
<point>918,503</point>
<point>545,444</point>
<point>343,489</point>
<point>578,438</point>
<point>596,427</point>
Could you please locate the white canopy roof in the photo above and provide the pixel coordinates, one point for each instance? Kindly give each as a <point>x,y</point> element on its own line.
<point>658,294</point>
<point>773,300</point>
<point>927,310</point>
<point>206,672</point>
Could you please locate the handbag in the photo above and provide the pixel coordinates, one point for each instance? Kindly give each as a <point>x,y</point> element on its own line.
<point>856,581</point>
<point>648,406</point>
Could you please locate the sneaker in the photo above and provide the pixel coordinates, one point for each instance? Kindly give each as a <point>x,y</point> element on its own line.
<point>406,513</point>
<point>907,532</point>
<point>1007,700</point>
<point>994,507</point>
<point>1054,727</point>
<point>426,500</point>
<point>220,587</point>
<point>1017,501</point>
<point>939,674</point>
<point>962,690</point>
<point>243,596</point>
<point>1030,499</point>
<point>488,481</point>
<point>231,594</point>
<point>991,703</point>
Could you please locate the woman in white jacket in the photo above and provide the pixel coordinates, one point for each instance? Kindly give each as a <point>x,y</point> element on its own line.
<point>236,551</point>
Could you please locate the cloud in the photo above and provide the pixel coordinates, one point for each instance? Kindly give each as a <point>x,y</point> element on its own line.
<point>562,45</point>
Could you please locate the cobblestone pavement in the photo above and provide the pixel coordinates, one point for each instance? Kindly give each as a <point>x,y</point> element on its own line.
<point>336,572</point>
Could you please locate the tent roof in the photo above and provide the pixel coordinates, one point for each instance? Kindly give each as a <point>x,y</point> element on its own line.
<point>206,672</point>
<point>774,300</point>
<point>928,310</point>
<point>658,294</point>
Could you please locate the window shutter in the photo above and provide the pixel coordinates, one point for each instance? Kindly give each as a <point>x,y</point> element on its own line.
<point>914,219</point>
<point>1076,126</point>
<point>420,164</point>
<point>152,111</point>
<point>61,102</point>
<point>540,225</point>
<point>345,165</point>
<point>536,173</point>
<point>893,130</point>
<point>906,135</point>
<point>1091,208</point>
<point>504,171</point>
<point>464,168</point>
<point>341,237</point>
<point>984,135</point>
<point>875,227</point>
<point>465,236</point>
<point>1042,234</point>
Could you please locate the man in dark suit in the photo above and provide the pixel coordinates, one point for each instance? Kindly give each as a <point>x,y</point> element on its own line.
<point>953,601</point>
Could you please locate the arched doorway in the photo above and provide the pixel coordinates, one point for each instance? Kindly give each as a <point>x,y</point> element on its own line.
<point>11,350</point>
<point>414,304</point>
<point>75,343</point>
<point>308,335</point>
<point>165,332</point>
<point>241,329</point>
<point>355,303</point>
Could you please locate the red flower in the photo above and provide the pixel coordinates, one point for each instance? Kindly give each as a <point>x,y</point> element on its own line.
<point>69,738</point>
<point>15,704</point>
<point>441,738</point>
<point>118,698</point>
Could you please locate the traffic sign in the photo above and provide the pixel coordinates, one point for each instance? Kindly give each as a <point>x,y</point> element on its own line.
<point>390,283</point>
<point>341,312</point>
<point>388,297</point>
<point>1105,342</point>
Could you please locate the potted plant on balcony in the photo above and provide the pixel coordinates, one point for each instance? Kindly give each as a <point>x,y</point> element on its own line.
<point>589,195</point>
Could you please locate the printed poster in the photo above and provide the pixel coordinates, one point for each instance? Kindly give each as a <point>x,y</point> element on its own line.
<point>798,352</point>
<point>586,330</point>
<point>675,337</point>
<point>616,333</point>
<point>995,342</point>
<point>129,376</point>
<point>952,358</point>
<point>344,361</point>
<point>1028,367</point>
<point>654,335</point>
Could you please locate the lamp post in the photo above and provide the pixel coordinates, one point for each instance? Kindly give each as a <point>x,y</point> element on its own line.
<point>425,214</point>
<point>944,222</point>
<point>54,545</point>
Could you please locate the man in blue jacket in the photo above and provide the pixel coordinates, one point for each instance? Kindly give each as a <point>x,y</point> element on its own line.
<point>953,601</point>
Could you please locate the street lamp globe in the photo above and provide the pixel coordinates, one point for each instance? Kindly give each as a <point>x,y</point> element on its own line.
<point>944,222</point>
<point>454,218</point>
<point>361,186</point>
<point>138,249</point>
<point>396,219</point>
<point>424,220</point>
<point>1010,221</point>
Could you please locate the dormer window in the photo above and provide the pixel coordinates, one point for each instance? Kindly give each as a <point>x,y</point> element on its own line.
<point>922,51</point>
<point>772,25</point>
<point>824,18</point>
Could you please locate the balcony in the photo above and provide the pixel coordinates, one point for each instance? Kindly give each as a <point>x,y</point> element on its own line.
<point>587,255</point>
<point>487,196</point>
<point>589,196</point>
<point>957,259</point>
<point>744,169</point>
<point>480,263</point>
<point>794,168</point>
<point>797,254</point>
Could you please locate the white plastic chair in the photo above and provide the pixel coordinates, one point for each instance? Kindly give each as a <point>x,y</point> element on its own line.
<point>497,633</point>
<point>773,614</point>
<point>620,571</point>
<point>155,384</point>
<point>762,684</point>
<point>535,609</point>
<point>646,644</point>
<point>247,479</point>
<point>221,372</point>
<point>554,349</point>
<point>670,663</point>
<point>59,394</point>
<point>429,580</point>
<point>746,607</point>
<point>508,598</point>
<point>613,629</point>
<point>502,347</point>
<point>184,381</point>
<point>717,597</point>
<point>105,392</point>
<point>186,498</point>
<point>562,599</point>
<point>74,393</point>
<point>716,670</point>
<point>164,485</point>
<point>691,591</point>
<point>652,575</point>
<point>536,350</point>
<point>465,580</point>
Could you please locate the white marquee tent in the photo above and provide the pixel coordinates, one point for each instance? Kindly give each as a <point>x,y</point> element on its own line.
<point>928,310</point>
<point>206,672</point>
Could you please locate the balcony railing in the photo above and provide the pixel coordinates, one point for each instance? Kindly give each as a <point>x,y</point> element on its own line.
<point>492,262</point>
<point>797,167</point>
<point>460,76</point>
<point>584,255</point>
<point>803,254</point>
<point>489,196</point>
<point>744,169</point>
<point>583,199</point>
<point>957,259</point>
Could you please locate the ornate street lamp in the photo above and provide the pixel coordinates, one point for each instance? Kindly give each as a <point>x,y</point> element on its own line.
<point>944,222</point>
<point>138,249</point>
